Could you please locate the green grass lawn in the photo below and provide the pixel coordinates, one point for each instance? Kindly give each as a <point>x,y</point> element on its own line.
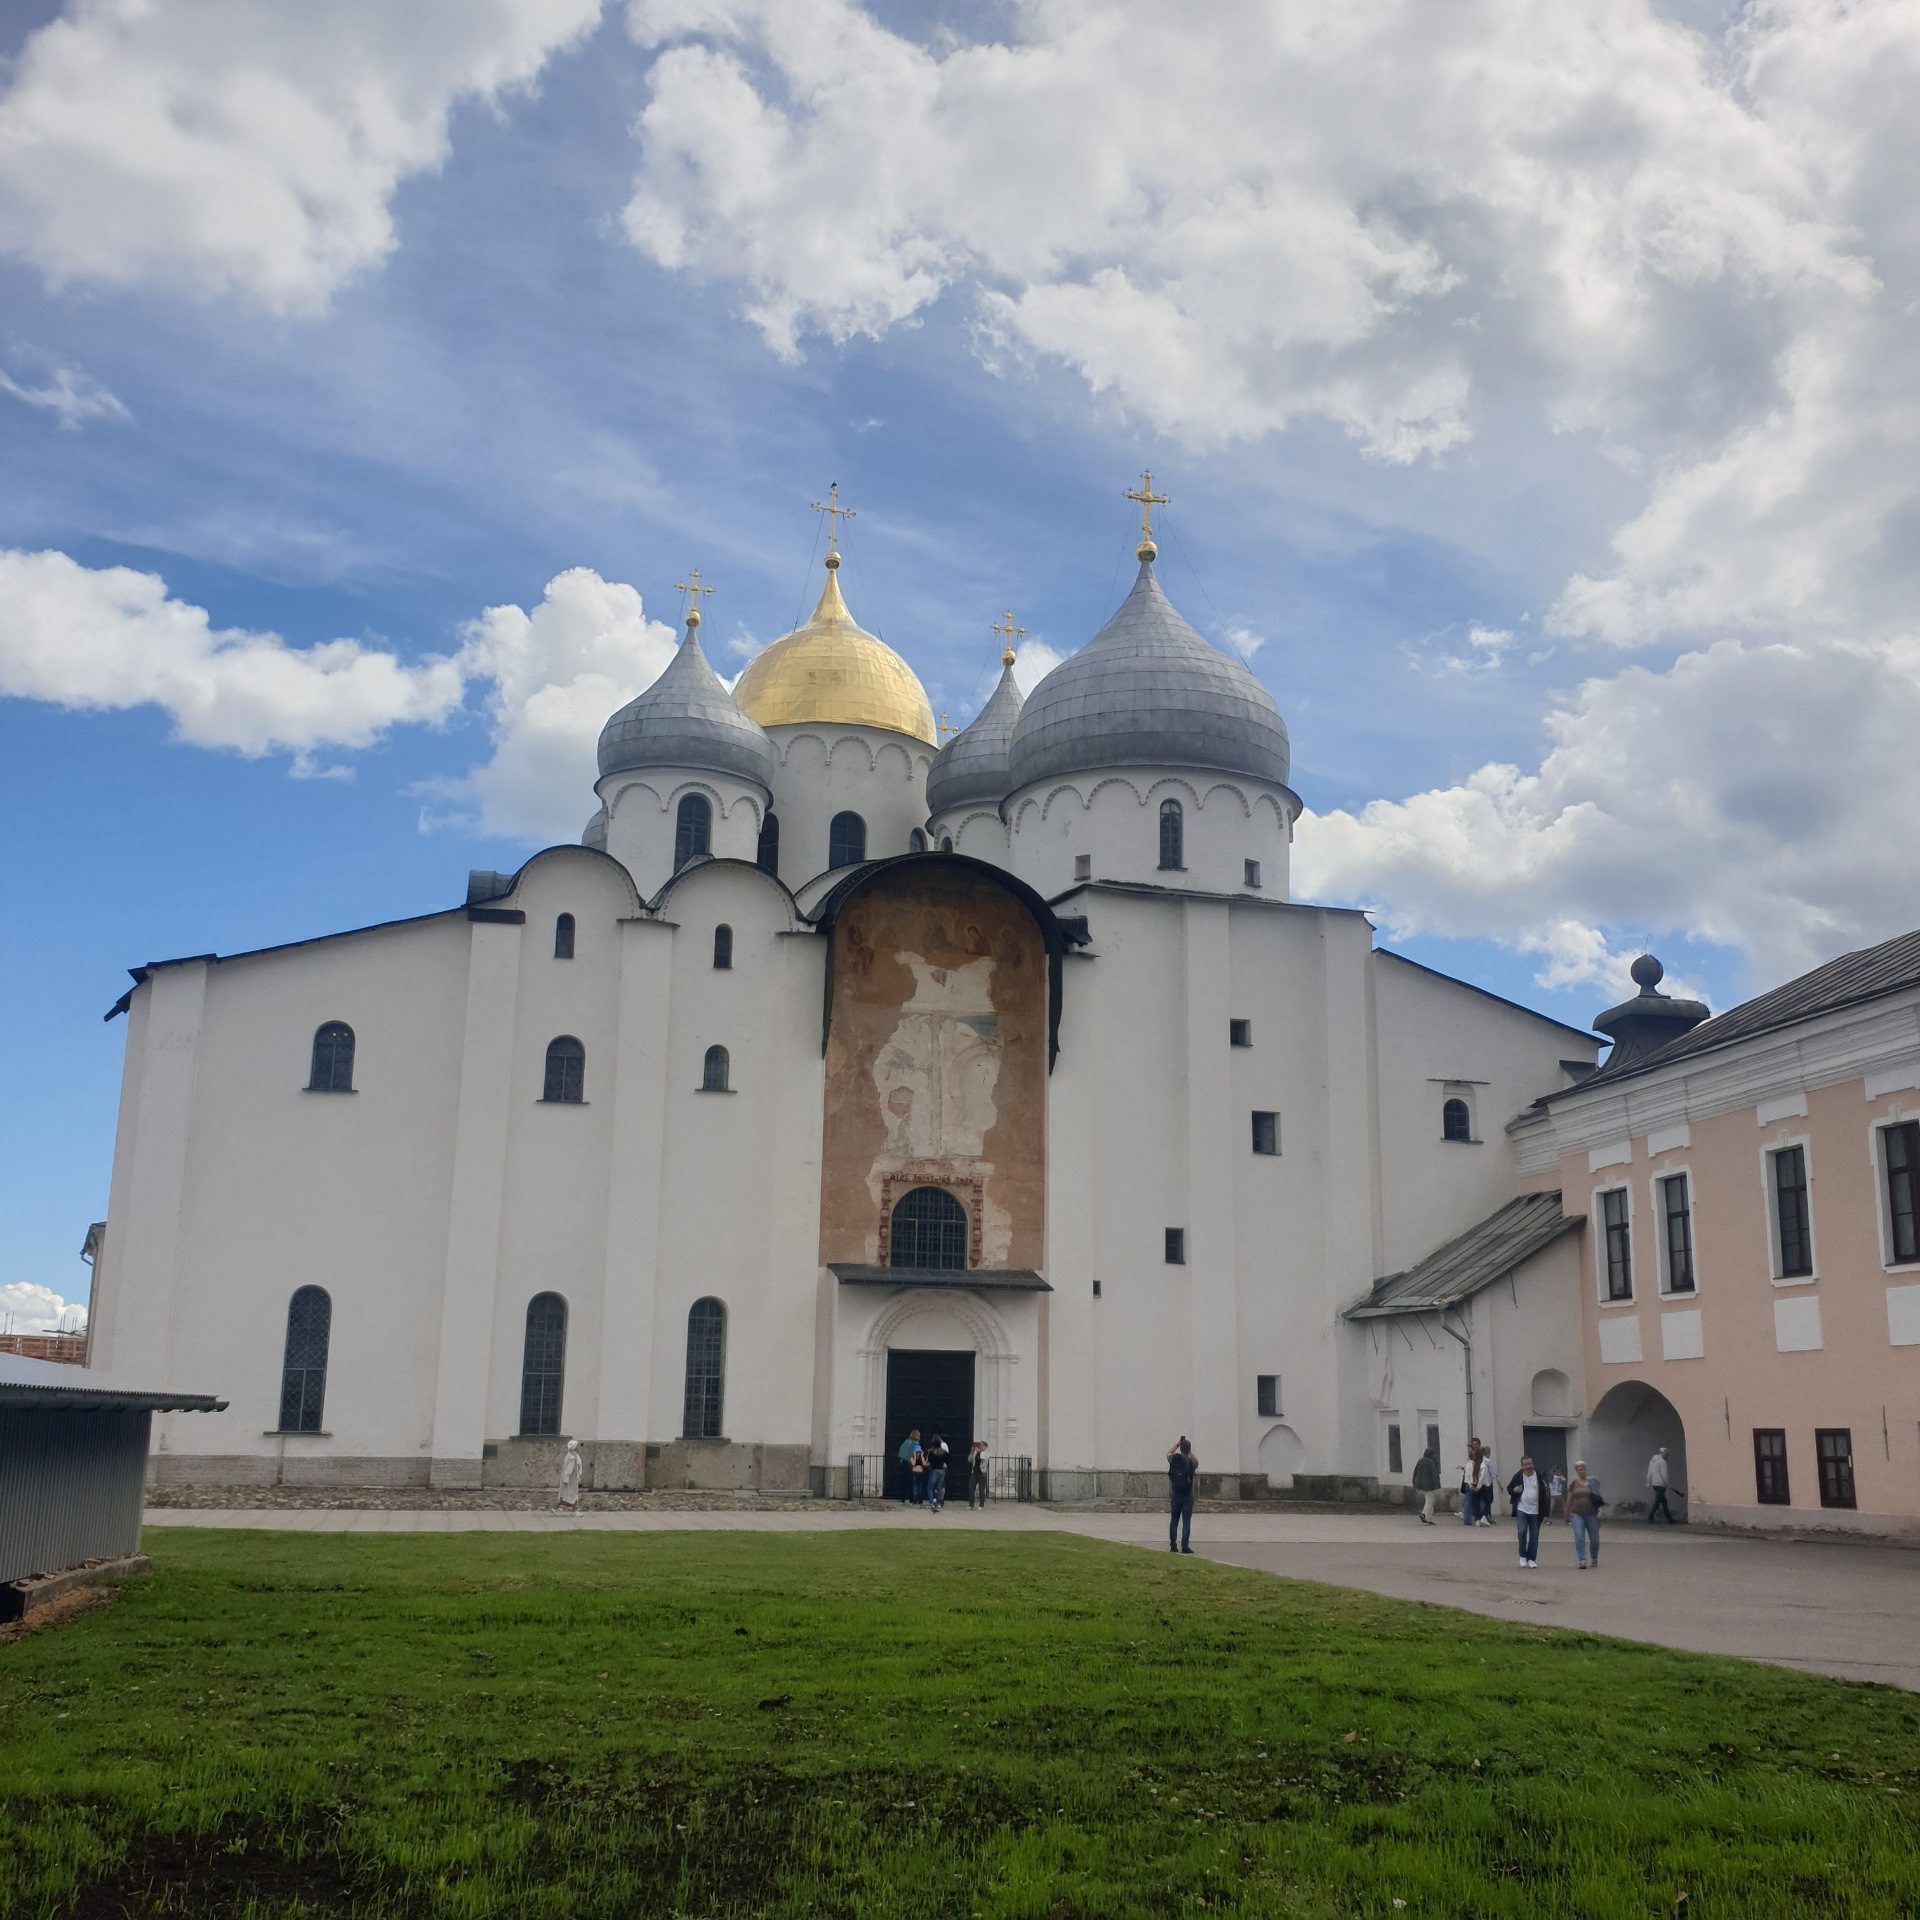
<point>881,1724</point>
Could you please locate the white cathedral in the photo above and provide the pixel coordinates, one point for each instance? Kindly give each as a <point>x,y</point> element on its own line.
<point>838,1083</point>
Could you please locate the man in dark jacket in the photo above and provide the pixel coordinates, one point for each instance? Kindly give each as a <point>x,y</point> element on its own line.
<point>1182,1465</point>
<point>1426,1481</point>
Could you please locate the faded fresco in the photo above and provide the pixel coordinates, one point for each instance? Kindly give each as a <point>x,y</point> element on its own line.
<point>936,1064</point>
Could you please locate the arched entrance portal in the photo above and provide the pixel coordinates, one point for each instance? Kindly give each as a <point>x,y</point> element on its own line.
<point>1623,1432</point>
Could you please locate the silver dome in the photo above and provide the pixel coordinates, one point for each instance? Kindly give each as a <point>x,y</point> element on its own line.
<point>687,719</point>
<point>1146,690</point>
<point>973,764</point>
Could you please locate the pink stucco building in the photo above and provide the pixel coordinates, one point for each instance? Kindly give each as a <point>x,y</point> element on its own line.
<point>1749,1272</point>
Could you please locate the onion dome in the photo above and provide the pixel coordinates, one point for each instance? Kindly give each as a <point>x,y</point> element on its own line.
<point>972,766</point>
<point>1640,1026</point>
<point>1146,690</point>
<point>596,832</point>
<point>687,719</point>
<point>832,671</point>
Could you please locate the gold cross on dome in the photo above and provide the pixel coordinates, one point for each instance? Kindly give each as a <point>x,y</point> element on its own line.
<point>693,589</point>
<point>947,731</point>
<point>1148,499</point>
<point>835,513</point>
<point>1010,633</point>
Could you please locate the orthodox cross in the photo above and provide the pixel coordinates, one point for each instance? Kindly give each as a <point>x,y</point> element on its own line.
<point>1009,633</point>
<point>692,588</point>
<point>835,512</point>
<point>946,731</point>
<point>1148,499</point>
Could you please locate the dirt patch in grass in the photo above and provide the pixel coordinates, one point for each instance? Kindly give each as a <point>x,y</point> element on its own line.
<point>57,1612</point>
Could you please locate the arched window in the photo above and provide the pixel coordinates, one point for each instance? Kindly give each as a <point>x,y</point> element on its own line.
<point>303,1370</point>
<point>706,1370</point>
<point>543,1364</point>
<point>846,840</point>
<point>916,841</point>
<point>767,854</point>
<point>563,937</point>
<point>692,829</point>
<point>946,843</point>
<point>1456,1123</point>
<point>929,1230</point>
<point>1172,836</point>
<point>723,945</point>
<point>713,1075</point>
<point>332,1059</point>
<point>566,1072</point>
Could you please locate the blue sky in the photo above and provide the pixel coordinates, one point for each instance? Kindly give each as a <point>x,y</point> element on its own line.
<point>1531,393</point>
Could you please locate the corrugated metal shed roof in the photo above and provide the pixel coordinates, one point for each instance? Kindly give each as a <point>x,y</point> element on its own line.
<point>50,1384</point>
<point>1473,1260</point>
<point>1873,972</point>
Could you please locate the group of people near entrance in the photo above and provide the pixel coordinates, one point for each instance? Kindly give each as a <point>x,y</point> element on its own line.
<point>927,1467</point>
<point>1535,1497</point>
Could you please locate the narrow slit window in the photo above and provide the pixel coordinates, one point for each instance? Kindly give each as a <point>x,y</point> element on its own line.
<point>1677,1209</point>
<point>692,829</point>
<point>1619,1243</point>
<point>706,1371</point>
<point>946,843</point>
<point>714,1070</point>
<point>928,1229</point>
<point>1770,1466</point>
<point>916,841</point>
<point>723,946</point>
<point>566,1072</point>
<point>767,855</point>
<point>1394,1455</point>
<point>1083,866</point>
<point>303,1367</point>
<point>1266,1395</point>
<point>1456,1123</point>
<point>1266,1132</point>
<point>1900,1146</point>
<point>1792,1213</point>
<point>563,937</point>
<point>543,1365</point>
<point>1172,837</point>
<point>332,1067</point>
<point>1176,1246</point>
<point>846,840</point>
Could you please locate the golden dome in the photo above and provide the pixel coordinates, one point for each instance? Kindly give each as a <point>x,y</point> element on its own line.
<point>833,671</point>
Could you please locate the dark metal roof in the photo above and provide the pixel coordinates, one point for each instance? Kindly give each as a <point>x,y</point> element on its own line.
<point>1146,690</point>
<point>1474,1259</point>
<point>687,718</point>
<point>972,765</point>
<point>973,1280</point>
<point>50,1385</point>
<point>1870,974</point>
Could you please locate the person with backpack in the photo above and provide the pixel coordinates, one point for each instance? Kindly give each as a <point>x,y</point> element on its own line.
<point>1182,1465</point>
<point>1584,1502</point>
<point>937,1457</point>
<point>1426,1482</point>
<point>910,1492</point>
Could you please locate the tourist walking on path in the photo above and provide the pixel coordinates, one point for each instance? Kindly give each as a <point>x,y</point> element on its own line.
<point>1469,1476</point>
<point>1657,1480</point>
<point>1527,1494</point>
<point>1426,1482</point>
<point>937,1456</point>
<point>1182,1465</point>
<point>977,1475</point>
<point>1583,1509</point>
<point>908,1448</point>
<point>1483,1488</point>
<point>571,1468</point>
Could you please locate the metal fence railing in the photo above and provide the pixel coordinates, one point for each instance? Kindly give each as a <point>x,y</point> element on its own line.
<point>879,1476</point>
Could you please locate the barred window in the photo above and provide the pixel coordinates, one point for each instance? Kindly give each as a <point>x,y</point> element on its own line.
<point>303,1367</point>
<point>1172,836</point>
<point>1678,1211</point>
<point>706,1371</point>
<point>332,1070</point>
<point>929,1229</point>
<point>543,1364</point>
<point>713,1071</point>
<point>1456,1123</point>
<point>563,937</point>
<point>566,1071</point>
<point>846,840</point>
<point>1614,1220</point>
<point>692,829</point>
<point>1901,1147</point>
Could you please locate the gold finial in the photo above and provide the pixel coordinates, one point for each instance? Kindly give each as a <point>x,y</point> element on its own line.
<point>1010,633</point>
<point>692,588</point>
<point>1148,499</point>
<point>835,512</point>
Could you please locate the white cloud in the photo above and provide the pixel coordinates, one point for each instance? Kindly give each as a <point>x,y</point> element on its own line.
<point>248,145</point>
<point>1242,640</point>
<point>112,638</point>
<point>1033,660</point>
<point>69,395</point>
<point>557,673</point>
<point>26,1307</point>
<point>1762,796</point>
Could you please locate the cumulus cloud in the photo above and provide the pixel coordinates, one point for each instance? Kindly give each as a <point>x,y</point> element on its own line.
<point>69,395</point>
<point>250,147</point>
<point>556,675</point>
<point>1765,796</point>
<point>111,637</point>
<point>26,1307</point>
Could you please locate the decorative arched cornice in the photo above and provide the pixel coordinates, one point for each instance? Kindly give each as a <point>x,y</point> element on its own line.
<point>876,745</point>
<point>972,1310</point>
<point>666,796</point>
<point>706,862</point>
<point>1222,786</point>
<point>570,850</point>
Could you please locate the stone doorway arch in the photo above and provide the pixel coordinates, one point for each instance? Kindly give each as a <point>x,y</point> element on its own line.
<point>1629,1422</point>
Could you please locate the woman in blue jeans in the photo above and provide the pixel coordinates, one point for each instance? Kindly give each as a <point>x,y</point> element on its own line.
<point>1583,1510</point>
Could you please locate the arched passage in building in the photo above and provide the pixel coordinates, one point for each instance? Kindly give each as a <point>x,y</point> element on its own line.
<point>1630,1422</point>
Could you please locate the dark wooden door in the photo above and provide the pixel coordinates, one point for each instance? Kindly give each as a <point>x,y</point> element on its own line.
<point>930,1388</point>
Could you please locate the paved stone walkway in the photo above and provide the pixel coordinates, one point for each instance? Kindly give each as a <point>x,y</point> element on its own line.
<point>1823,1606</point>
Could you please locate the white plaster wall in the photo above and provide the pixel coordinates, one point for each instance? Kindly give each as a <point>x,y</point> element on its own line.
<point>880,775</point>
<point>977,829</point>
<point>1114,820</point>
<point>643,814</point>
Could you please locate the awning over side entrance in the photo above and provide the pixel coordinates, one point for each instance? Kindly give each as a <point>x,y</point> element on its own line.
<point>1471,1260</point>
<point>969,1280</point>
